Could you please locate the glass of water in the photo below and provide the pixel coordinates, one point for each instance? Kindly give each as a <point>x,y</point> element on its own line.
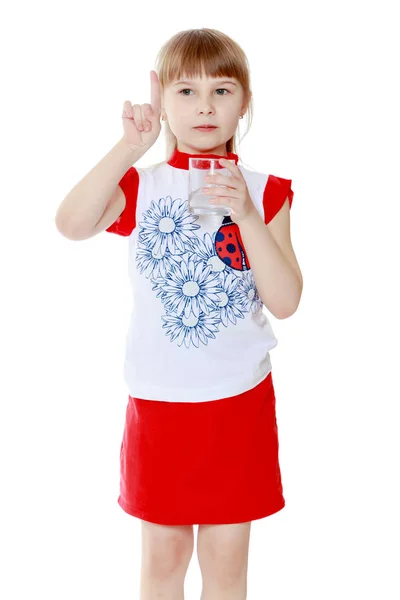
<point>198,169</point>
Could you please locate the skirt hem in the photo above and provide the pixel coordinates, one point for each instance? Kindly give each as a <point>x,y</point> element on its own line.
<point>272,509</point>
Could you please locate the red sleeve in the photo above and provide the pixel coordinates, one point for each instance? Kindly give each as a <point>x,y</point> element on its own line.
<point>126,222</point>
<point>276,191</point>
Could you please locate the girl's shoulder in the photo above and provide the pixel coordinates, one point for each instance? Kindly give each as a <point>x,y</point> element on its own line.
<point>268,191</point>
<point>270,183</point>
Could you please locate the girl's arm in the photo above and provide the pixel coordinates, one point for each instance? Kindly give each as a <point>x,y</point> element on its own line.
<point>84,205</point>
<point>274,266</point>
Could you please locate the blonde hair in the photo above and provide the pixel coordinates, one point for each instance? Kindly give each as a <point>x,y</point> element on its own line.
<point>193,52</point>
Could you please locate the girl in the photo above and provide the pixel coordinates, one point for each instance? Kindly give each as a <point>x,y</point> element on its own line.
<point>200,443</point>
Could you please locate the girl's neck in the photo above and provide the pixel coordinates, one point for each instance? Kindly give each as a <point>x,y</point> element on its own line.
<point>219,150</point>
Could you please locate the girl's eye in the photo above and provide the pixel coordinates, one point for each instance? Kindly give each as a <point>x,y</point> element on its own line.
<point>188,90</point>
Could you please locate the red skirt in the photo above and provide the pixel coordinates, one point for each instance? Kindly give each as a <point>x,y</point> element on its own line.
<point>213,462</point>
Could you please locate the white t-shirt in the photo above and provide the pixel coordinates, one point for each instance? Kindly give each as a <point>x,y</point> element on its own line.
<point>198,329</point>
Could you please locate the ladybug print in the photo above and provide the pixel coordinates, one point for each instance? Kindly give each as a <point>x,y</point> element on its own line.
<point>229,246</point>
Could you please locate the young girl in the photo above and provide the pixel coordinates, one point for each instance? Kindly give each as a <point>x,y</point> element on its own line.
<point>200,444</point>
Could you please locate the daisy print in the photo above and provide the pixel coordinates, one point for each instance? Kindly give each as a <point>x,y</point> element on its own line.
<point>155,264</point>
<point>189,288</point>
<point>249,294</point>
<point>205,250</point>
<point>167,225</point>
<point>192,329</point>
<point>230,302</point>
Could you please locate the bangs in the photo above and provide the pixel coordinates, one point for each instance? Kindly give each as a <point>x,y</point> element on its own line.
<point>197,56</point>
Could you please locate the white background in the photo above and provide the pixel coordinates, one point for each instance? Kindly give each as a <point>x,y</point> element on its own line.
<point>324,78</point>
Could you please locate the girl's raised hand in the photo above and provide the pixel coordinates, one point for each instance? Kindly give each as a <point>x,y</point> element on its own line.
<point>141,122</point>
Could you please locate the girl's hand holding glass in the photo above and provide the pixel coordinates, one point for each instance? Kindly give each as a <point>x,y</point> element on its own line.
<point>235,195</point>
<point>199,168</point>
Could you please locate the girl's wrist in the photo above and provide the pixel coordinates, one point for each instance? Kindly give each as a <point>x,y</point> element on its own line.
<point>252,218</point>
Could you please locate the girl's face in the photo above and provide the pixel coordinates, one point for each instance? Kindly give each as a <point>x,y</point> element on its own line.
<point>188,103</point>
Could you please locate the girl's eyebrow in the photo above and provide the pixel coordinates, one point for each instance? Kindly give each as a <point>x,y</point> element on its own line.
<point>218,81</point>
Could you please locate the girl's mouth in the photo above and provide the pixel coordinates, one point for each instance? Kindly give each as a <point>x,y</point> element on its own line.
<point>205,128</point>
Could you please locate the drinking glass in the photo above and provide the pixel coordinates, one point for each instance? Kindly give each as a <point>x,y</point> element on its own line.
<point>198,202</point>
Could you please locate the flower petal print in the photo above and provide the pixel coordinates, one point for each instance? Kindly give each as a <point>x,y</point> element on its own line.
<point>231,302</point>
<point>205,250</point>
<point>192,329</point>
<point>155,265</point>
<point>190,288</point>
<point>250,298</point>
<point>167,224</point>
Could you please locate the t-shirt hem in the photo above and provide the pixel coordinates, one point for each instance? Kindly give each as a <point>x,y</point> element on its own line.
<point>150,392</point>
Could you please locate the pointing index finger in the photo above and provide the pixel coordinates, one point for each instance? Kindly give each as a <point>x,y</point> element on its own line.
<point>155,93</point>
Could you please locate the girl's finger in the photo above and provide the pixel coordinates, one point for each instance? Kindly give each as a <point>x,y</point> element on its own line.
<point>221,191</point>
<point>127,112</point>
<point>233,168</point>
<point>222,200</point>
<point>137,116</point>
<point>147,116</point>
<point>155,93</point>
<point>222,180</point>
